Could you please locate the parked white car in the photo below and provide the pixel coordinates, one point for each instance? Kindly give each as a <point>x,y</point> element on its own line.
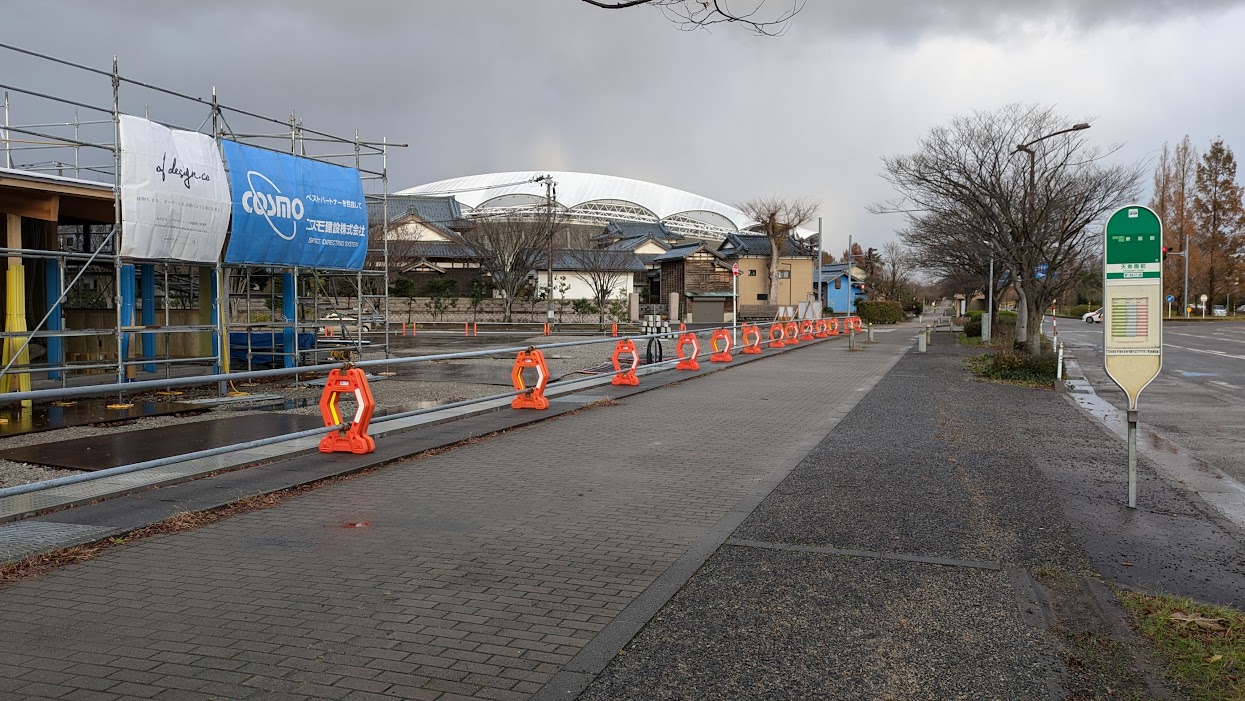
<point>1094,317</point>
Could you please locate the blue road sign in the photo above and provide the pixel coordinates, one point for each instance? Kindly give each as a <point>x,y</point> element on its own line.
<point>1171,298</point>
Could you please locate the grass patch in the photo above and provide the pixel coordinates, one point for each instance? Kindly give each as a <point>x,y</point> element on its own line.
<point>1202,644</point>
<point>1015,367</point>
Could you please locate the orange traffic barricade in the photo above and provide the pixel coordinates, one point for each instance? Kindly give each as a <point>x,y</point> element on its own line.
<point>822,328</point>
<point>806,330</point>
<point>533,397</point>
<point>752,339</point>
<point>353,438</point>
<point>687,362</point>
<point>834,326</point>
<point>776,335</point>
<point>625,377</point>
<point>721,354</point>
<point>791,331</point>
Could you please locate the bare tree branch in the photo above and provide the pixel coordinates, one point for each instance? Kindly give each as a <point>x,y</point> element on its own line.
<point>690,15</point>
<point>778,219</point>
<point>969,191</point>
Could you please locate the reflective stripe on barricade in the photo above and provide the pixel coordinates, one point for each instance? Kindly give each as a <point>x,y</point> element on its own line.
<point>353,438</point>
<point>687,362</point>
<point>806,330</point>
<point>776,335</point>
<point>723,354</point>
<point>752,339</point>
<point>533,397</point>
<point>791,333</point>
<point>625,377</point>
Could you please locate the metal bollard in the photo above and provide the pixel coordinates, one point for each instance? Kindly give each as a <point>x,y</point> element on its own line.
<point>871,333</point>
<point>1059,364</point>
<point>920,342</point>
<point>929,333</point>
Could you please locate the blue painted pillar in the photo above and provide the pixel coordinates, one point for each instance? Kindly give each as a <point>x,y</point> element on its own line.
<point>289,308</point>
<point>147,292</point>
<point>56,349</point>
<point>127,309</point>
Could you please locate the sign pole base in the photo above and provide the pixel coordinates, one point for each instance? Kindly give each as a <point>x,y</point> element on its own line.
<point>1132,459</point>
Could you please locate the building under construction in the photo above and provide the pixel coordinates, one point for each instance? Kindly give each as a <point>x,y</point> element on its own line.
<point>87,303</point>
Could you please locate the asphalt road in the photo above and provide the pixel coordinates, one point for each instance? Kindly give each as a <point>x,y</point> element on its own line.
<point>1197,403</point>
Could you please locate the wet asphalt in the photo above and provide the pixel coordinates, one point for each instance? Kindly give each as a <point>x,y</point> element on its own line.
<point>897,560</point>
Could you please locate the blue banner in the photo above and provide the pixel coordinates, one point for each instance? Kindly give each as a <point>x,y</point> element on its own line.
<point>294,211</point>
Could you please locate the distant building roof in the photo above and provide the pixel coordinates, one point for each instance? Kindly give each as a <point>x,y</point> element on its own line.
<point>441,213</point>
<point>433,249</point>
<point>633,243</point>
<point>759,245</point>
<point>596,259</point>
<point>837,269</point>
<point>641,230</point>
<point>682,252</point>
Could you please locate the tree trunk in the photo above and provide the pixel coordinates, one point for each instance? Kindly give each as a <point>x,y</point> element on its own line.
<point>1022,317</point>
<point>1034,330</point>
<point>773,273</point>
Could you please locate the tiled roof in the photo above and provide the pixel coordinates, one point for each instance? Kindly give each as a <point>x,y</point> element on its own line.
<point>597,259</point>
<point>432,249</point>
<point>758,245</point>
<point>682,252</point>
<point>635,242</point>
<point>628,230</point>
<point>438,212</point>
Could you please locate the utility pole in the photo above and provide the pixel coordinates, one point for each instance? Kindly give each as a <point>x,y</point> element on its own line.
<point>821,301</point>
<point>550,191</point>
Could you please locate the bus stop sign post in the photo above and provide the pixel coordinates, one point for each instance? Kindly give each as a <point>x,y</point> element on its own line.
<point>1132,294</point>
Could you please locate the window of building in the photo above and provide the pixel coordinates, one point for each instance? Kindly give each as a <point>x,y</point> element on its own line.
<point>763,297</point>
<point>838,283</point>
<point>784,274</point>
<point>752,273</point>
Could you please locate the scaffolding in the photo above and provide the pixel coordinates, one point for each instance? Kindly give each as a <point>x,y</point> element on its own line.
<point>65,268</point>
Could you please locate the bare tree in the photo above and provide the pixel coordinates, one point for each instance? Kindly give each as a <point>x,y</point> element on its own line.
<point>778,218</point>
<point>604,271</point>
<point>509,249</point>
<point>970,181</point>
<point>892,276</point>
<point>689,15</point>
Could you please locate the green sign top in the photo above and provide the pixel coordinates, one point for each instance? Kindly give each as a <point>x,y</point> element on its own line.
<point>1134,244</point>
<point>1134,235</point>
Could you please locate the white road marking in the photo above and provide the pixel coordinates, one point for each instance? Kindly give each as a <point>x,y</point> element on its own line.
<point>1224,384</point>
<point>1209,338</point>
<point>1208,352</point>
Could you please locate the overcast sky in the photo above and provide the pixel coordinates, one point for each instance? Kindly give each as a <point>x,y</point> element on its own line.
<point>477,86</point>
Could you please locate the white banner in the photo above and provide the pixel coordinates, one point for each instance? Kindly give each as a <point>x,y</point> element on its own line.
<point>174,196</point>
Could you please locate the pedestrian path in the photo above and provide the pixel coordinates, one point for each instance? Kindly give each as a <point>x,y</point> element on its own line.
<point>481,572</point>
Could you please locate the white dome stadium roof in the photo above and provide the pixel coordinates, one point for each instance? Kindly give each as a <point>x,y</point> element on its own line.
<point>590,197</point>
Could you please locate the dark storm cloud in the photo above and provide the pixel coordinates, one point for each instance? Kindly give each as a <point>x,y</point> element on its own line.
<point>491,85</point>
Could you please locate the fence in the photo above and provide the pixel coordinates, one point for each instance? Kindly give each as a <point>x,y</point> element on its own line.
<point>183,313</point>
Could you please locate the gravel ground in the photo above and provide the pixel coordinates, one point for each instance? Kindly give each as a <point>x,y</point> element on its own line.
<point>932,464</point>
<point>415,385</point>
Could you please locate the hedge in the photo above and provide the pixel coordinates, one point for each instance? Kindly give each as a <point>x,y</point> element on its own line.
<point>880,312</point>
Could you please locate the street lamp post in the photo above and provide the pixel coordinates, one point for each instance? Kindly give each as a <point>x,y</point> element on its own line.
<point>988,322</point>
<point>1032,186</point>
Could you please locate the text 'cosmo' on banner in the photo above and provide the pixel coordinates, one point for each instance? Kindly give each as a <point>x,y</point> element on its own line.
<point>294,211</point>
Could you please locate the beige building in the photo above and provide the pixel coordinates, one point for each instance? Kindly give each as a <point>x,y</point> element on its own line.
<point>796,272</point>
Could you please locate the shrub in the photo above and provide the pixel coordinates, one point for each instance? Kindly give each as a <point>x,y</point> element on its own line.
<point>584,306</point>
<point>1016,366</point>
<point>973,328</point>
<point>880,312</point>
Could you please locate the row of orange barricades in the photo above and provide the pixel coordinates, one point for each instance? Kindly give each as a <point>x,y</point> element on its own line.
<point>351,436</point>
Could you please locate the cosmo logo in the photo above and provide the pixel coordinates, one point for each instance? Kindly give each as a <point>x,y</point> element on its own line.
<point>272,205</point>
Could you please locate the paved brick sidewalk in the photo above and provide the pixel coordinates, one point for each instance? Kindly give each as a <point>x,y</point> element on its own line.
<point>484,570</point>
